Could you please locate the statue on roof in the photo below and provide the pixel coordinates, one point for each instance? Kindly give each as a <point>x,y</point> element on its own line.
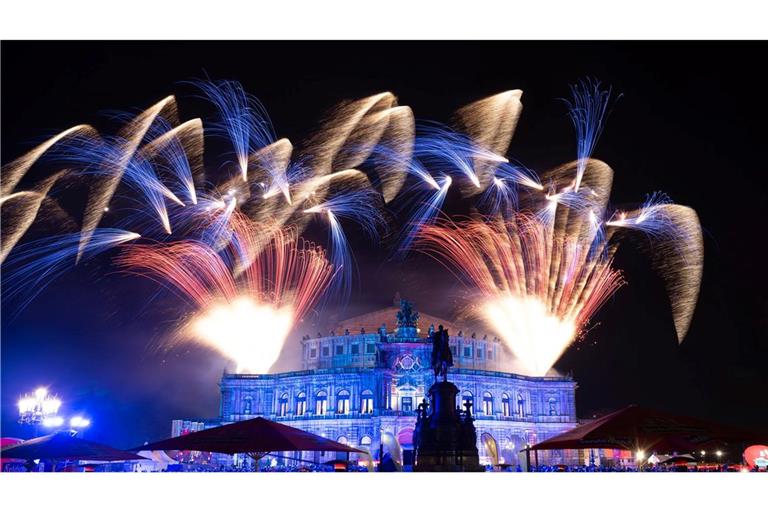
<point>407,317</point>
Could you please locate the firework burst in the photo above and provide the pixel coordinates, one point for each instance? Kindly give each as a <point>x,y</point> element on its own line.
<point>264,280</point>
<point>539,308</point>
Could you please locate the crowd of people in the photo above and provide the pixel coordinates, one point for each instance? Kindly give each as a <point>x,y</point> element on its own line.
<point>279,468</point>
<point>649,468</point>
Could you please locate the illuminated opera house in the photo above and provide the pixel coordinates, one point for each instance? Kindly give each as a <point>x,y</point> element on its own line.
<point>362,383</point>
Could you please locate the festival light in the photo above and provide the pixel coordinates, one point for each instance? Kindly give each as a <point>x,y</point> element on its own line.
<point>53,422</point>
<point>51,406</point>
<point>79,422</point>
<point>39,408</point>
<point>26,405</point>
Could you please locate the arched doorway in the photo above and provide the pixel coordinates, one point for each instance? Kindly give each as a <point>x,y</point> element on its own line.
<point>489,449</point>
<point>392,446</point>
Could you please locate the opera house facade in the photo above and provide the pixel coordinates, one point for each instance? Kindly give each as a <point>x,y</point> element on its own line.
<point>362,384</point>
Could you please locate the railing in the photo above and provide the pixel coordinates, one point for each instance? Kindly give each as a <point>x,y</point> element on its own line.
<point>393,412</point>
<point>528,418</point>
<point>365,369</point>
<point>326,416</point>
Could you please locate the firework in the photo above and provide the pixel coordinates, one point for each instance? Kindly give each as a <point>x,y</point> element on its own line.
<point>538,271</point>
<point>587,110</point>
<point>242,119</point>
<point>34,265</point>
<point>177,153</point>
<point>674,239</point>
<point>538,253</point>
<point>508,263</point>
<point>150,175</point>
<point>103,188</point>
<point>361,206</point>
<point>490,124</point>
<point>19,211</point>
<point>354,131</point>
<point>262,282</point>
<point>439,155</point>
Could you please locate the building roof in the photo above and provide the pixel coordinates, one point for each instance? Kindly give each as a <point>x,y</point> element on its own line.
<point>373,320</point>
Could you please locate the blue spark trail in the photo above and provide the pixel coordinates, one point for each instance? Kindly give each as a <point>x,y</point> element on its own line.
<point>33,266</point>
<point>103,157</point>
<point>588,111</point>
<point>242,119</point>
<point>361,207</point>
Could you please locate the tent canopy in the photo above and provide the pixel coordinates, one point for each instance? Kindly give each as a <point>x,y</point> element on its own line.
<point>258,435</point>
<point>634,428</point>
<point>7,442</point>
<point>62,446</point>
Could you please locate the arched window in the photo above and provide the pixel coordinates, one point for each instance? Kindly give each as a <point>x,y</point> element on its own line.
<point>321,403</point>
<point>366,441</point>
<point>301,404</point>
<point>505,409</point>
<point>247,405</point>
<point>282,405</point>
<point>342,440</point>
<point>487,403</point>
<point>366,405</point>
<point>552,406</point>
<point>520,405</point>
<point>342,402</point>
<point>468,397</point>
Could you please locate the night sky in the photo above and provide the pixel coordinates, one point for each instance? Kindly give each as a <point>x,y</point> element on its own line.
<point>690,122</point>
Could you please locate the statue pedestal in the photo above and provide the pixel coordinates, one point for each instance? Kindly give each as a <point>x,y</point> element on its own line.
<point>407,332</point>
<point>444,439</point>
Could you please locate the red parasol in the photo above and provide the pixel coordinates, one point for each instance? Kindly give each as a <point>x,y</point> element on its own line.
<point>634,428</point>
<point>258,436</point>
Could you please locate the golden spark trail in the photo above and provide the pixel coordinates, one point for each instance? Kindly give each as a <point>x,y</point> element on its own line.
<point>506,262</point>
